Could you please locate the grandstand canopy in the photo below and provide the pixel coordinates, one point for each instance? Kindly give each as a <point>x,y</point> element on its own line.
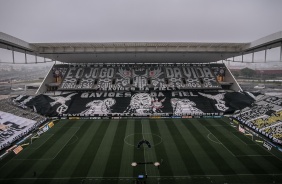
<point>139,52</point>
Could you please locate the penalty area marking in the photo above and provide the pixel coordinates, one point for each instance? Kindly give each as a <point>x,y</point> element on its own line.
<point>213,140</point>
<point>76,138</point>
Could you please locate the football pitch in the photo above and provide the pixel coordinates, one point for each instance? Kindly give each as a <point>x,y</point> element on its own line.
<point>102,151</point>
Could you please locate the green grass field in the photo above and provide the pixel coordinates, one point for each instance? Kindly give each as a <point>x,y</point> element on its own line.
<point>101,151</point>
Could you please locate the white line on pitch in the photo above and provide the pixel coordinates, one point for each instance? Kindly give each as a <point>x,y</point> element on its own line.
<point>254,156</point>
<point>219,141</point>
<point>144,149</point>
<point>65,144</point>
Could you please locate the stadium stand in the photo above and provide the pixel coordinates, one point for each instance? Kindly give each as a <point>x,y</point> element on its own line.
<point>264,116</point>
<point>138,90</point>
<point>16,122</point>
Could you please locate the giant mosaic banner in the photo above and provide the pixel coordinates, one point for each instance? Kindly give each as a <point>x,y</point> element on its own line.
<point>163,103</point>
<point>142,77</point>
<point>12,127</point>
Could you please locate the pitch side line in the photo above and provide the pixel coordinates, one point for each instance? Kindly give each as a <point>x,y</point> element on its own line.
<point>217,125</point>
<point>254,156</point>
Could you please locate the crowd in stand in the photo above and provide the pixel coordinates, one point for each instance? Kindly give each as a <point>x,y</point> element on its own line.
<point>265,116</point>
<point>7,106</point>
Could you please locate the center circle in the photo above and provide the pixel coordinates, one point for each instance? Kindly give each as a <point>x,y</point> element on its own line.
<point>134,139</point>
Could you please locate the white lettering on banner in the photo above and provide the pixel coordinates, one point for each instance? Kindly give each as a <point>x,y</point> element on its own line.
<point>189,72</point>
<point>200,72</point>
<point>267,146</point>
<point>182,93</point>
<point>169,72</point>
<point>68,85</point>
<point>173,72</point>
<point>79,73</point>
<point>207,72</point>
<point>116,94</point>
<point>107,73</point>
<point>177,72</point>
<point>93,73</point>
<point>113,77</point>
<point>103,73</point>
<point>70,75</point>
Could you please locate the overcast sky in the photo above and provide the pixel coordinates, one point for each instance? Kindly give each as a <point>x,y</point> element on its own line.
<point>140,20</point>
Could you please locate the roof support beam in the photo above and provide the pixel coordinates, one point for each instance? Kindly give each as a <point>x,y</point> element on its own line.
<point>177,48</point>
<point>25,57</point>
<point>13,54</point>
<point>93,48</point>
<point>281,52</point>
<point>265,54</point>
<point>187,48</point>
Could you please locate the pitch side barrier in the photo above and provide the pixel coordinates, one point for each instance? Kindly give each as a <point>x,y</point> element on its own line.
<point>273,146</point>
<point>150,116</point>
<point>18,145</point>
<point>134,77</point>
<point>258,133</point>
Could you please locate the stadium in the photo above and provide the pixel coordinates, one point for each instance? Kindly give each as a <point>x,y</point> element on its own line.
<point>141,112</point>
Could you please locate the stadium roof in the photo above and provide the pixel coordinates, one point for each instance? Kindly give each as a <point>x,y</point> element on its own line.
<point>139,52</point>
